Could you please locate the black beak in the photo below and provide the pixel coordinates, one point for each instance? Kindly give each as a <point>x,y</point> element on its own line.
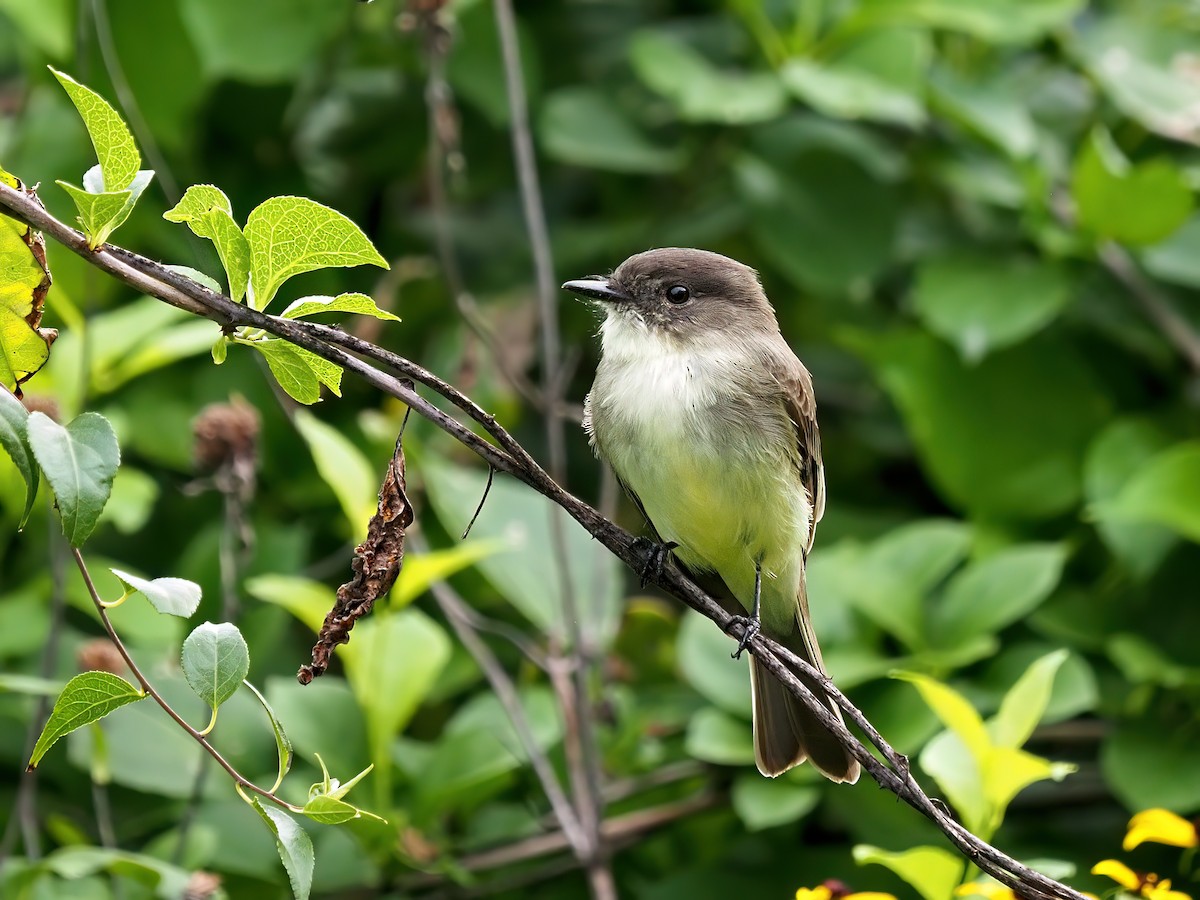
<point>597,288</point>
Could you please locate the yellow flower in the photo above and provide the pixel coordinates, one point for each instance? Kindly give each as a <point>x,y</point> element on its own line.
<point>989,890</point>
<point>835,890</point>
<point>1161,827</point>
<point>1144,884</point>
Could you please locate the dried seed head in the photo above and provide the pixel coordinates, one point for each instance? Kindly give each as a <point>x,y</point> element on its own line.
<point>43,404</point>
<point>100,655</point>
<point>227,436</point>
<point>201,886</point>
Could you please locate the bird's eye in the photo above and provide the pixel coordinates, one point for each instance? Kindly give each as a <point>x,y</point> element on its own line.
<point>677,293</point>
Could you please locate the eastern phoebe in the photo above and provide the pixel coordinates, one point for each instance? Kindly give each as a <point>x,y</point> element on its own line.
<point>709,421</point>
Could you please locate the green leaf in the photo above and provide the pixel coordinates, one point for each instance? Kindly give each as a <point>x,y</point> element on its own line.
<point>215,661</point>
<point>583,126</point>
<point>228,35</point>
<point>282,744</point>
<point>715,737</point>
<point>99,214</point>
<point>172,596</point>
<point>1177,259</point>
<point>343,467</point>
<point>933,872</point>
<point>1114,459</point>
<point>761,803</point>
<point>994,108</point>
<point>699,91</point>
<point>80,462</point>
<point>1004,438</point>
<point>422,569</point>
<point>15,442</point>
<point>1165,490</point>
<point>992,21</point>
<point>353,303</point>
<point>880,78</point>
<point>291,235</point>
<point>290,366</point>
<point>48,26</point>
<point>115,148</point>
<point>1025,703</point>
<point>953,710</point>
<point>826,221</point>
<point>1150,762</point>
<point>1138,61</point>
<point>706,664</point>
<point>86,698</point>
<point>209,214</point>
<point>990,594</point>
<point>980,302</point>
<point>24,281</point>
<point>519,519</point>
<point>890,581</point>
<point>330,811</point>
<point>960,775</point>
<point>294,846</point>
<point>1132,204</point>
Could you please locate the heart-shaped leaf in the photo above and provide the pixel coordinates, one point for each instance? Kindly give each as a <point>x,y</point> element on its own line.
<point>80,461</point>
<point>215,661</point>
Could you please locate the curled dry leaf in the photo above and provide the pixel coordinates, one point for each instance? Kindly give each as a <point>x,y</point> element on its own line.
<point>24,346</point>
<point>376,564</point>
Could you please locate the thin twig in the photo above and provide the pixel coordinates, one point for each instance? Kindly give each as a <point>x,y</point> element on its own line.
<point>153,692</point>
<point>893,773</point>
<point>582,754</point>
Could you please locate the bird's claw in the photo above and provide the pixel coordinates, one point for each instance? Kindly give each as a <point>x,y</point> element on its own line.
<point>656,558</point>
<point>751,626</point>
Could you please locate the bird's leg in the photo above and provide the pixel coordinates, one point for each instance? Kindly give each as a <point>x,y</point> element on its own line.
<point>751,624</point>
<point>656,558</point>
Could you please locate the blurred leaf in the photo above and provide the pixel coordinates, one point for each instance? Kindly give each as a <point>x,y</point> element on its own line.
<point>391,665</point>
<point>294,846</point>
<point>74,863</point>
<point>981,302</point>
<point>761,803</point>
<point>475,69</point>
<point>132,500</point>
<point>880,77</point>
<point>172,596</point>
<point>825,221</point>
<point>706,663</point>
<point>1114,459</point>
<point>582,126</point>
<point>1143,68</point>
<point>354,303</point>
<point>1165,491</point>
<point>1003,438</point>
<point>525,573</point>
<point>993,21</point>
<point>343,467</point>
<point>1025,703</point>
<point>932,871</point>
<point>1153,762</point>
<point>1142,661</point>
<point>713,736</point>
<point>115,148</point>
<point>323,718</point>
<point>48,25</point>
<point>80,462</point>
<point>215,661</point>
<point>953,710</point>
<point>993,108</point>
<point>304,598</point>
<point>291,235</point>
<point>1177,259</point>
<point>421,570</point>
<point>1133,204</point>
<point>15,442</point>
<point>699,91</point>
<point>889,582</point>
<point>209,214</point>
<point>228,34</point>
<point>85,699</point>
<point>996,591</point>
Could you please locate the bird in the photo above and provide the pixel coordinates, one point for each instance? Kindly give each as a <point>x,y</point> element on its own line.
<point>708,419</point>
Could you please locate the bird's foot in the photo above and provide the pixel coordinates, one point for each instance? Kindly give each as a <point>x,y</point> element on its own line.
<point>656,558</point>
<point>751,626</point>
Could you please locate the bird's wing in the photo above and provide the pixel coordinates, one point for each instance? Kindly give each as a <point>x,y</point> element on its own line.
<point>800,402</point>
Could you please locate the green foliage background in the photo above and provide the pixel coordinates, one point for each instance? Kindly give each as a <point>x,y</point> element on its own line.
<point>941,198</point>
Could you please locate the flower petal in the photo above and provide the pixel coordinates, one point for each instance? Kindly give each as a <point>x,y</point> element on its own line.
<point>1118,872</point>
<point>820,892</point>
<point>989,890</point>
<point>1160,826</point>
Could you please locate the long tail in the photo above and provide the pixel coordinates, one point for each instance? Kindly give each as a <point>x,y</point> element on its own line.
<point>786,732</point>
